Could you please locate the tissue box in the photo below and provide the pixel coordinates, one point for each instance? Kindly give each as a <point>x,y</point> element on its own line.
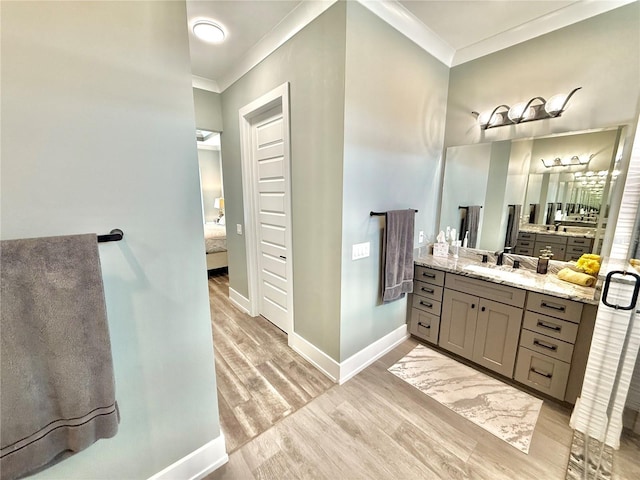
<point>440,249</point>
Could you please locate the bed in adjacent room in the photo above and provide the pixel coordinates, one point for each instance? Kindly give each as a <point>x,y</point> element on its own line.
<point>215,240</point>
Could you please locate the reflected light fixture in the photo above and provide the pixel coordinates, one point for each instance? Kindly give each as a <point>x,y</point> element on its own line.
<point>535,109</point>
<point>208,31</point>
<point>567,161</point>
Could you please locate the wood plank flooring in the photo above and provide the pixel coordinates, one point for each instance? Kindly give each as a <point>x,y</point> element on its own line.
<point>376,426</point>
<point>260,379</point>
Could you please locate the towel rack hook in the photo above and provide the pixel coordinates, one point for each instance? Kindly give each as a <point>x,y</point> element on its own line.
<point>114,235</point>
<point>379,214</point>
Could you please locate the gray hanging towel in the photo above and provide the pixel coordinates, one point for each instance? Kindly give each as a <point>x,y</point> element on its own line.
<point>398,256</point>
<point>473,221</point>
<point>57,391</point>
<point>513,226</point>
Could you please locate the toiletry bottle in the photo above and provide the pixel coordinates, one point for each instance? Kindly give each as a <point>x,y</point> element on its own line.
<point>543,260</point>
<point>465,242</point>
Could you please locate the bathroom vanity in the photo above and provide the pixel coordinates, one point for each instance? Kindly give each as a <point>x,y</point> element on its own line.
<point>530,328</point>
<point>565,246</point>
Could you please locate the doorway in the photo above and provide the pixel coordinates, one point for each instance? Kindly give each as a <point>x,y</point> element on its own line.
<point>264,139</point>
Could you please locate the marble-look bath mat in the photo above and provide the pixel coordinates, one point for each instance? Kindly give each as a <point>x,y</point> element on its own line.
<point>500,409</point>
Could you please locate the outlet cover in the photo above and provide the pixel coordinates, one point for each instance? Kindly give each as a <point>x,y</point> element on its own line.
<point>421,237</point>
<point>239,228</point>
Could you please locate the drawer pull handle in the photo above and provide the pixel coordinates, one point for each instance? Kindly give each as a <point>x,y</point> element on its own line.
<point>428,275</point>
<point>428,305</point>
<point>560,308</point>
<point>547,375</point>
<point>544,345</point>
<point>555,328</point>
<point>428,290</point>
<point>420,324</point>
<point>578,241</point>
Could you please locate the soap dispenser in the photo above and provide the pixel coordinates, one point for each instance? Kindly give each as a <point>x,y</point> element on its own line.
<point>543,260</point>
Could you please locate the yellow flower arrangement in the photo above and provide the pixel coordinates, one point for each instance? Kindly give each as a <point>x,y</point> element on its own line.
<point>589,263</point>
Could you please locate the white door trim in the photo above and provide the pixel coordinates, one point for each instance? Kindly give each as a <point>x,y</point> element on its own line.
<point>277,96</point>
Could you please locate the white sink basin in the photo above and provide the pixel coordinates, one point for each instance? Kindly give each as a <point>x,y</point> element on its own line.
<point>493,273</point>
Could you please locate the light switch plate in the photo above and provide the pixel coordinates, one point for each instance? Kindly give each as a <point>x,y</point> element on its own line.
<point>360,250</point>
<point>239,229</point>
<point>421,237</point>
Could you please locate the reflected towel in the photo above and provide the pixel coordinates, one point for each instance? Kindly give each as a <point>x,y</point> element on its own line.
<point>57,390</point>
<point>577,278</point>
<point>398,257</point>
<point>473,222</point>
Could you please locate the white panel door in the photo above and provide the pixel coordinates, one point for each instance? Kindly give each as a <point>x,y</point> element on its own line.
<point>268,153</point>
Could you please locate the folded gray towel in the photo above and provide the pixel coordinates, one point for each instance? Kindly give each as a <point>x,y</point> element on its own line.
<point>473,221</point>
<point>398,258</point>
<point>57,391</point>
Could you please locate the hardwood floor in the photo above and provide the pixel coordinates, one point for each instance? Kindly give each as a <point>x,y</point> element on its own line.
<point>260,379</point>
<point>283,419</point>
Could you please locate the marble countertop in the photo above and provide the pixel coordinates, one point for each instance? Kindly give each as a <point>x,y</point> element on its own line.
<point>559,232</point>
<point>522,278</point>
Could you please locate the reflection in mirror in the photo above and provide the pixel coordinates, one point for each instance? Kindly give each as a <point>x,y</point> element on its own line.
<point>559,188</point>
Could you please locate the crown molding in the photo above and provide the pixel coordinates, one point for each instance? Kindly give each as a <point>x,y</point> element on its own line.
<point>574,13</point>
<point>300,17</point>
<point>408,24</point>
<point>205,84</point>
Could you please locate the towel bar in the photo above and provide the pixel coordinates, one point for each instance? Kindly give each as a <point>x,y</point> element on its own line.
<point>114,235</point>
<point>379,214</point>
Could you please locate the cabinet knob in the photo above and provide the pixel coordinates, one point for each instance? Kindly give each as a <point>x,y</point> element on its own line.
<point>483,309</point>
<point>473,305</point>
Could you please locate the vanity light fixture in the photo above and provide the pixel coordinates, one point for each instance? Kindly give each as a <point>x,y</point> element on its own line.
<point>567,161</point>
<point>535,109</point>
<point>208,31</point>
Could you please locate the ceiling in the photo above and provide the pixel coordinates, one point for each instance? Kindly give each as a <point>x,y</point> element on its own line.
<point>454,31</point>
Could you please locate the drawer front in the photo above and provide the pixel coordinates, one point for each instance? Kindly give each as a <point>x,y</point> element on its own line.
<point>557,249</point>
<point>525,243</point>
<point>580,242</point>
<point>526,236</point>
<point>545,374</point>
<point>546,345</point>
<point>485,289</point>
<point>424,325</point>
<point>547,238</point>
<point>426,304</point>
<point>554,307</point>
<point>552,327</point>
<point>574,253</point>
<point>524,251</point>
<point>427,290</point>
<point>429,275</point>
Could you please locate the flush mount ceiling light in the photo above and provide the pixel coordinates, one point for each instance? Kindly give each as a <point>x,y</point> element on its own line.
<point>535,109</point>
<point>208,31</point>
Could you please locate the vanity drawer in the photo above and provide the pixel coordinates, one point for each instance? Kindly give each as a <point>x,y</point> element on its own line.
<point>553,327</point>
<point>526,236</point>
<point>574,252</point>
<point>429,275</point>
<point>426,304</point>
<point>525,243</point>
<point>554,306</point>
<point>424,325</point>
<point>486,289</point>
<point>557,249</point>
<point>551,239</point>
<point>427,290</point>
<point>546,345</point>
<point>546,374</point>
<point>523,251</point>
<point>580,242</point>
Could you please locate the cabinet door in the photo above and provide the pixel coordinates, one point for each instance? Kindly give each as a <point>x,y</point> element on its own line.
<point>458,322</point>
<point>497,336</point>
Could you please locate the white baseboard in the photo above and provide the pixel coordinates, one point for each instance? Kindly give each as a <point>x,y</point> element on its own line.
<point>317,357</point>
<point>365,357</point>
<point>239,301</point>
<point>341,372</point>
<point>198,464</point>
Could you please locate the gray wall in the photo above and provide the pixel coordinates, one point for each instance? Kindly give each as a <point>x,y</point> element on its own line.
<point>395,98</point>
<point>495,207</point>
<point>210,182</point>
<point>601,54</point>
<point>313,62</point>
<point>208,108</point>
<point>79,79</point>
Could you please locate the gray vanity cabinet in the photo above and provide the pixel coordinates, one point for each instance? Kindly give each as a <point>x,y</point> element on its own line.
<point>482,330</point>
<point>426,304</point>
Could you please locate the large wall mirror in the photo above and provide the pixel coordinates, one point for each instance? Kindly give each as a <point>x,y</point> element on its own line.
<point>555,185</point>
